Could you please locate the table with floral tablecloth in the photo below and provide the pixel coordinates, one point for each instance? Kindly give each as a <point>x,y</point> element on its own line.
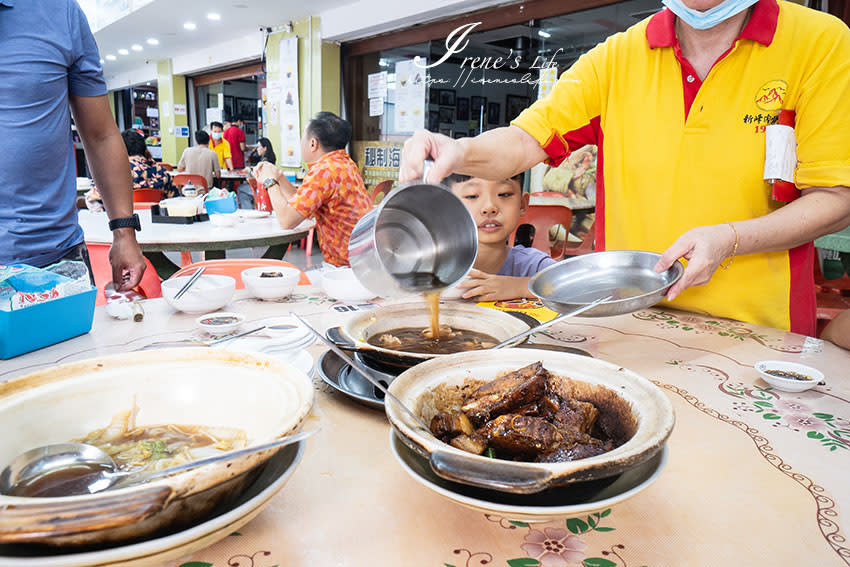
<point>755,476</point>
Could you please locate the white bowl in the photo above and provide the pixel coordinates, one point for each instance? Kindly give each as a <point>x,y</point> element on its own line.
<point>209,293</point>
<point>342,284</point>
<point>788,384</point>
<point>220,323</point>
<point>270,287</point>
<point>224,219</point>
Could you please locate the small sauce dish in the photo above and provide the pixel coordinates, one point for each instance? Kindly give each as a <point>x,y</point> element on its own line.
<point>220,324</point>
<point>789,376</point>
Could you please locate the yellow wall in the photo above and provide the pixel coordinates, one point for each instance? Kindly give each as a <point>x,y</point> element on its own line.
<point>318,73</point>
<point>172,90</point>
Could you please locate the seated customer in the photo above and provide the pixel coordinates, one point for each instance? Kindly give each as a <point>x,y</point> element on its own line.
<point>838,330</point>
<point>146,172</point>
<point>332,191</point>
<point>500,271</point>
<point>199,159</point>
<point>263,152</point>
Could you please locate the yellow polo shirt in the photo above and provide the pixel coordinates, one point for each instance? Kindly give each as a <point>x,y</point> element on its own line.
<point>222,150</point>
<point>676,153</point>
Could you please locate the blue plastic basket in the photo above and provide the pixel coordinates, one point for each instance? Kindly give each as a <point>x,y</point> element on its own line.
<point>44,324</point>
<point>225,205</point>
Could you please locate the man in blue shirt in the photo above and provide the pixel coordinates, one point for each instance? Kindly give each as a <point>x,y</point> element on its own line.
<point>50,65</point>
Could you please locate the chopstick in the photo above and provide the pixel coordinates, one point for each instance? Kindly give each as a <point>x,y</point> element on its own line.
<point>189,283</point>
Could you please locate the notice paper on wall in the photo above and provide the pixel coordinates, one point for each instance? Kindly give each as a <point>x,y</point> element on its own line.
<point>378,85</point>
<point>376,106</point>
<point>409,111</point>
<point>290,129</point>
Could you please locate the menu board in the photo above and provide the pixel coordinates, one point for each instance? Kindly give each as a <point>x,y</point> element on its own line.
<point>288,108</point>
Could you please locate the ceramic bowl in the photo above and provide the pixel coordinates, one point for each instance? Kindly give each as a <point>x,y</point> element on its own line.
<point>630,406</point>
<point>270,282</point>
<point>220,323</point>
<point>209,293</point>
<point>799,376</point>
<point>265,398</point>
<point>343,285</point>
<point>224,219</point>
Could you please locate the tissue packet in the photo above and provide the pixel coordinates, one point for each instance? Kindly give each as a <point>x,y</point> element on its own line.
<point>22,285</point>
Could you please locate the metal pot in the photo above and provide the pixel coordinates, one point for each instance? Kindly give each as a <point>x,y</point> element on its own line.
<point>353,336</point>
<point>420,238</point>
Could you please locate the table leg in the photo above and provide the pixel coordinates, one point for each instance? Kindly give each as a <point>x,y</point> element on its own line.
<point>214,255</point>
<point>276,251</point>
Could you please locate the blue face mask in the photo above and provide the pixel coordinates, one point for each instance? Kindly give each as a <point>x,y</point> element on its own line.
<point>709,18</point>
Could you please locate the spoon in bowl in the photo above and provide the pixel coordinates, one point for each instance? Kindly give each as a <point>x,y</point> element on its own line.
<point>70,469</point>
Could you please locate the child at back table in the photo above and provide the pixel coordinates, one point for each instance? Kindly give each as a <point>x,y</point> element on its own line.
<point>500,271</point>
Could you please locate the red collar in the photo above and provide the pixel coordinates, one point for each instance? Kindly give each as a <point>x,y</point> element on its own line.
<point>661,31</point>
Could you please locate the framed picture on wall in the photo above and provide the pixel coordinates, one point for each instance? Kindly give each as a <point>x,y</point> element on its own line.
<point>478,102</point>
<point>446,132</point>
<point>212,100</point>
<point>446,97</point>
<point>433,120</point>
<point>246,108</point>
<point>447,114</point>
<point>493,113</point>
<point>514,104</point>
<point>462,108</point>
<point>460,135</point>
<point>229,107</point>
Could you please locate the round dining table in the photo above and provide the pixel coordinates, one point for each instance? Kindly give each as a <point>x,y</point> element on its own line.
<point>753,475</point>
<point>201,236</point>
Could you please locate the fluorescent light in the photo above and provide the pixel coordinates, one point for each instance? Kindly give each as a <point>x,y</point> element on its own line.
<point>544,34</point>
<point>189,26</point>
<point>136,47</point>
<point>111,57</point>
<point>153,41</point>
<point>148,83</point>
<point>123,52</point>
<point>213,16</point>
<point>383,62</point>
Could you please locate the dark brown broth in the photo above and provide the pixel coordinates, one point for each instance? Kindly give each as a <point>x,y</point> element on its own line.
<point>412,340</point>
<point>60,482</point>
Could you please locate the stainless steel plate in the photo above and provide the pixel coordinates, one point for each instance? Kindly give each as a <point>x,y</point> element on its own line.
<point>341,377</point>
<point>627,275</point>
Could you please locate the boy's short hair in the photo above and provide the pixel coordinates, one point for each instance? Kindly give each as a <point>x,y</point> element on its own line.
<point>202,138</point>
<point>458,178</point>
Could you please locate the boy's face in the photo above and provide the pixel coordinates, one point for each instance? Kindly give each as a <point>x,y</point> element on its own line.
<point>495,205</point>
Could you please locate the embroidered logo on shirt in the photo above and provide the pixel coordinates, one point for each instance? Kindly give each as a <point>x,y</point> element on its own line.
<point>771,95</point>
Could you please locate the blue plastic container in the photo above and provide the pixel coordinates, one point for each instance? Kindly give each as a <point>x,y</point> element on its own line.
<point>44,324</point>
<point>225,205</point>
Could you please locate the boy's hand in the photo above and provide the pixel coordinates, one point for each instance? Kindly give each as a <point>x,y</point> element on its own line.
<point>489,287</point>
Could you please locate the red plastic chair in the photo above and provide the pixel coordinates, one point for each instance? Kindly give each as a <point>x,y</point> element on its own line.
<point>99,255</point>
<point>167,166</point>
<point>380,191</point>
<point>181,179</point>
<point>147,195</point>
<point>262,202</point>
<point>542,218</point>
<point>233,267</point>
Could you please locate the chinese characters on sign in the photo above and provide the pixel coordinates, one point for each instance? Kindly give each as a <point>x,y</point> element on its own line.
<point>378,156</point>
<point>378,161</point>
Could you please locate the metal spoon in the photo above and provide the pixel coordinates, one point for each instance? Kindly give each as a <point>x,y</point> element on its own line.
<point>68,469</point>
<point>551,322</point>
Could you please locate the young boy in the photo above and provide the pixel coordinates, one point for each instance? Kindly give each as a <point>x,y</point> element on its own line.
<point>500,271</point>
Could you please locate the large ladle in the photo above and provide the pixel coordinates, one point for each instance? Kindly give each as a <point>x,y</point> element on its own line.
<point>495,474</point>
<point>70,469</point>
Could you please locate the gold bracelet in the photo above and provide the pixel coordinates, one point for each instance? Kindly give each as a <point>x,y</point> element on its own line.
<point>734,247</point>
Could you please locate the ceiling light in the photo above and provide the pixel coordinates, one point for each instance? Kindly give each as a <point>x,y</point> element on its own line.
<point>148,83</point>
<point>153,41</point>
<point>189,26</point>
<point>136,47</point>
<point>383,62</point>
<point>544,34</point>
<point>213,16</point>
<point>111,57</point>
<point>123,52</point>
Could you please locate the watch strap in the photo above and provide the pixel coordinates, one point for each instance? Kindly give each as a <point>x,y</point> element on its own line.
<point>126,222</point>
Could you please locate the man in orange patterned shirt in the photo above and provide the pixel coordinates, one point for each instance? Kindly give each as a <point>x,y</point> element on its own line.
<point>332,190</point>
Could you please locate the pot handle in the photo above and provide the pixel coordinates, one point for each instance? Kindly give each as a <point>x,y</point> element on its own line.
<point>492,474</point>
<point>36,522</point>
<point>337,337</point>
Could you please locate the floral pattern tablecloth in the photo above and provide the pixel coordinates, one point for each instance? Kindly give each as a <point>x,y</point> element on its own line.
<point>754,476</point>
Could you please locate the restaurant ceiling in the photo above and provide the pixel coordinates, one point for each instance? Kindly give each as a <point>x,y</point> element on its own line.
<point>163,20</point>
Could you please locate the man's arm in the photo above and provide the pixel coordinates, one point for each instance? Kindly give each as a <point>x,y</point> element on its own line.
<point>279,194</point>
<point>818,211</point>
<point>496,154</point>
<point>107,157</point>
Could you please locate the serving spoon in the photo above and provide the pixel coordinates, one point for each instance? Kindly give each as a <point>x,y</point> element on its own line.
<point>70,469</point>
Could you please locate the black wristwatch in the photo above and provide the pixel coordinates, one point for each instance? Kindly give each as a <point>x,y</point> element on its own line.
<point>126,222</point>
